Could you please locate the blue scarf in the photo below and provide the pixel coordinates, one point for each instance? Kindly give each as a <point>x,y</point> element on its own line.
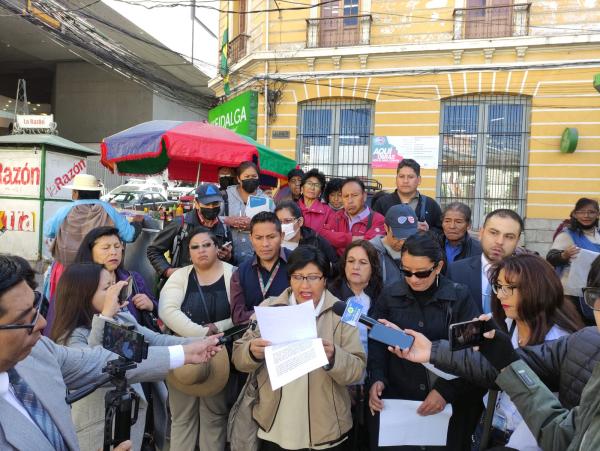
<point>582,241</point>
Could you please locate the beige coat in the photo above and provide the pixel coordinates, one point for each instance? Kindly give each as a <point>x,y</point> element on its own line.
<point>172,296</point>
<point>329,412</point>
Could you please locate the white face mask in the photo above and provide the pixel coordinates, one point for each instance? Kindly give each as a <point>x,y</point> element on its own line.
<point>288,230</point>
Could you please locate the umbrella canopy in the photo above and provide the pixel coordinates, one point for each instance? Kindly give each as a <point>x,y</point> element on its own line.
<point>181,147</point>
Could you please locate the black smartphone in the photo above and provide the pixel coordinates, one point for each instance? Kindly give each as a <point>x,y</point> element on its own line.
<point>124,341</point>
<point>126,291</point>
<point>466,334</point>
<point>391,337</point>
<point>230,335</point>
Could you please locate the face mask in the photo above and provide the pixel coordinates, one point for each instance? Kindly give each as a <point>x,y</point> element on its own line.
<point>226,181</point>
<point>288,230</point>
<point>250,185</point>
<point>209,213</point>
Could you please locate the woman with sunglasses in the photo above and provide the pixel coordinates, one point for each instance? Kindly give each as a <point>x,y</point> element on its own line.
<point>194,303</point>
<point>315,211</point>
<point>581,232</point>
<point>426,301</point>
<point>313,411</point>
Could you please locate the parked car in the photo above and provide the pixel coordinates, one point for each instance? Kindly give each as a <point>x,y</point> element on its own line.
<point>181,189</point>
<point>132,187</point>
<point>138,200</point>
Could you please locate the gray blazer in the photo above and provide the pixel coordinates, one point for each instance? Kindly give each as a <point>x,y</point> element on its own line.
<point>50,370</point>
<point>88,413</point>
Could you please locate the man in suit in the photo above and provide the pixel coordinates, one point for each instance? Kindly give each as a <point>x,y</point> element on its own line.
<point>499,238</point>
<point>35,373</point>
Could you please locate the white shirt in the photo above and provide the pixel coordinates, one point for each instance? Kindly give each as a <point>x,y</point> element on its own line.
<point>317,308</point>
<point>486,289</point>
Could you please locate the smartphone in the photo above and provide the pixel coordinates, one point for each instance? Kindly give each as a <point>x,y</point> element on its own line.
<point>126,291</point>
<point>391,337</point>
<point>230,335</point>
<point>466,334</point>
<point>124,341</point>
<point>224,245</point>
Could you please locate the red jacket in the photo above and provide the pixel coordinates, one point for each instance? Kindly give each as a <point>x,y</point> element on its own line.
<point>336,230</point>
<point>316,215</point>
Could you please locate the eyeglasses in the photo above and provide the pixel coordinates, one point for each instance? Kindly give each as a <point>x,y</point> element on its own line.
<point>312,278</point>
<point>591,296</point>
<point>314,185</point>
<point>36,306</point>
<point>195,247</point>
<point>419,274</point>
<point>506,290</point>
<point>289,220</point>
<point>590,213</point>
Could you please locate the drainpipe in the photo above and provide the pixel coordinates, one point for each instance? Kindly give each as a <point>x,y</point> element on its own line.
<point>266,85</point>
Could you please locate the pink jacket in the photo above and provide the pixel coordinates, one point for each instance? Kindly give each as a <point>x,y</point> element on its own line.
<point>336,230</point>
<point>316,215</point>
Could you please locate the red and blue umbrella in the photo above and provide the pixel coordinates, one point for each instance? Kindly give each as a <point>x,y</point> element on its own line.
<point>184,148</point>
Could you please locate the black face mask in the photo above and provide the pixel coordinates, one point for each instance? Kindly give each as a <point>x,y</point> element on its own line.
<point>226,181</point>
<point>209,213</point>
<point>250,185</point>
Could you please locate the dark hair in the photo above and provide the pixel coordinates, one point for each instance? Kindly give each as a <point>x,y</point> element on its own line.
<point>73,300</point>
<point>542,298</point>
<point>409,163</point>
<point>10,276</point>
<point>291,206</point>
<point>201,229</point>
<point>84,254</point>
<point>265,216</point>
<point>243,166</point>
<point>574,224</point>
<point>506,213</point>
<point>85,194</point>
<point>423,244</point>
<point>354,180</point>
<point>463,209</point>
<point>305,254</point>
<point>27,272</point>
<point>593,279</point>
<point>332,186</point>
<point>316,174</point>
<point>296,172</point>
<point>375,283</point>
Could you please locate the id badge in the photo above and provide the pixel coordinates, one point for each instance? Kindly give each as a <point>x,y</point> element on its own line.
<point>499,422</point>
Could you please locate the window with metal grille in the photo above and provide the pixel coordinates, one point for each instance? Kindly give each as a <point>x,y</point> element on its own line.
<point>334,135</point>
<point>483,155</point>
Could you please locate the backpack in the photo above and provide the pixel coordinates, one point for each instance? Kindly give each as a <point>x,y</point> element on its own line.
<point>76,225</point>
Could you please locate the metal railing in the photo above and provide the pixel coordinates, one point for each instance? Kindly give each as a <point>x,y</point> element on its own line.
<point>338,31</point>
<point>238,48</point>
<point>492,21</point>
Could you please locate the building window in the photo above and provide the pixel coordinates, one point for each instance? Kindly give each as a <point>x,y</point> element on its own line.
<point>335,136</point>
<point>483,158</point>
<point>340,24</point>
<point>484,19</point>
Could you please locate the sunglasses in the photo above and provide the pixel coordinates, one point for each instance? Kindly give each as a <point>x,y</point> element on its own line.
<point>203,246</point>
<point>36,306</point>
<point>419,274</point>
<point>591,296</point>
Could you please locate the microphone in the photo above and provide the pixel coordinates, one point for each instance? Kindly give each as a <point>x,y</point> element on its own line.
<point>378,331</point>
<point>339,307</point>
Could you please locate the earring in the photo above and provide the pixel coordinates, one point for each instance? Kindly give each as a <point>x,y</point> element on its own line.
<point>437,280</point>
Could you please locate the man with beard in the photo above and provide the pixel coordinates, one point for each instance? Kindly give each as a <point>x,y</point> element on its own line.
<point>174,237</point>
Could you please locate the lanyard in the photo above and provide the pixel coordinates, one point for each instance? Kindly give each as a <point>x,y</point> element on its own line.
<point>264,288</point>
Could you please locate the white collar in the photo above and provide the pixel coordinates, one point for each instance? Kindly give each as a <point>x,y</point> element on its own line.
<point>317,308</point>
<point>485,263</point>
<point>4,384</point>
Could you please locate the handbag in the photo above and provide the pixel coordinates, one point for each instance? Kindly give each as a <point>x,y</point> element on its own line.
<point>148,319</point>
<point>242,430</point>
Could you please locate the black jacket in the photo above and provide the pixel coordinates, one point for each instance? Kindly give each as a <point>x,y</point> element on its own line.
<point>163,242</point>
<point>341,290</point>
<point>309,237</point>
<point>427,209</point>
<point>449,303</point>
<point>470,247</point>
<point>564,365</point>
<point>468,272</point>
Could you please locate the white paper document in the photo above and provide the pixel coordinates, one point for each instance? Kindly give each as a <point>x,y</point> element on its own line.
<point>286,324</point>
<point>288,362</point>
<point>400,425</point>
<point>578,273</point>
<point>257,204</point>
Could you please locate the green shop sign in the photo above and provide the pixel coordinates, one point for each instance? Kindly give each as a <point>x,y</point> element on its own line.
<point>237,114</point>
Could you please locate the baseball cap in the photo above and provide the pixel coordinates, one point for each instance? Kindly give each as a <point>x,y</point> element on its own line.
<point>402,220</point>
<point>208,193</point>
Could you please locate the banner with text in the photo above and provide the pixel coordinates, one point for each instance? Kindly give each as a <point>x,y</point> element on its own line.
<point>388,151</point>
<point>237,114</point>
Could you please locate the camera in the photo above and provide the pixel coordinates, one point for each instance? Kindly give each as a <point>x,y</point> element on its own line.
<point>124,341</point>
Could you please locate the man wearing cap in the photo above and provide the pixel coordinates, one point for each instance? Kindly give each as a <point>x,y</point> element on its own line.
<point>400,223</point>
<point>293,189</point>
<point>174,237</point>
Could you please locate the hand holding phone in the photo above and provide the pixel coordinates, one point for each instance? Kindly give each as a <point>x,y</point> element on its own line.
<point>466,334</point>
<point>126,291</point>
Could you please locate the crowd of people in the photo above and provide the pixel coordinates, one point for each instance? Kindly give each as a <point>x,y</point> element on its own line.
<point>406,261</point>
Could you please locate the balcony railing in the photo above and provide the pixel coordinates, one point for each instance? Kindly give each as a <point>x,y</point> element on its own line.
<point>338,31</point>
<point>238,48</point>
<point>492,21</point>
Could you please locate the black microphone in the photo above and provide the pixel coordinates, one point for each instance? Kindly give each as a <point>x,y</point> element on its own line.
<point>339,307</point>
<point>378,331</point>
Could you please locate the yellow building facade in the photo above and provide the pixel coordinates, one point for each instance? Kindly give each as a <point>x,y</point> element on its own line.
<point>480,91</point>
